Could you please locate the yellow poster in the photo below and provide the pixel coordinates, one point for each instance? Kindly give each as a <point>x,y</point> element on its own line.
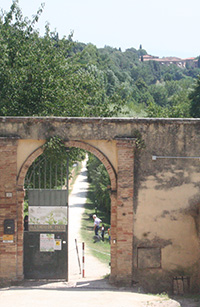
<point>8,238</point>
<point>58,244</point>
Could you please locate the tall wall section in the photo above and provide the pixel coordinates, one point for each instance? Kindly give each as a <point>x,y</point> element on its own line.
<point>166,206</point>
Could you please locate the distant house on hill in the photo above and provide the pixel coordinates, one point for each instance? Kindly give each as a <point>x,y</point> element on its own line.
<point>149,57</point>
<point>191,62</point>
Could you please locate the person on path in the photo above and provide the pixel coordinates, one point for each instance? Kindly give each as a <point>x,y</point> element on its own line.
<point>97,222</point>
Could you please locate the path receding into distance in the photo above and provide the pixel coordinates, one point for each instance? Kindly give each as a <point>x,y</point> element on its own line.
<point>94,269</point>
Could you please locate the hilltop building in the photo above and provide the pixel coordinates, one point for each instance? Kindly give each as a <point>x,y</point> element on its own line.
<point>188,62</point>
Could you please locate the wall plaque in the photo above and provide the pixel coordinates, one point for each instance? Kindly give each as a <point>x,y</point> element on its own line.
<point>149,257</point>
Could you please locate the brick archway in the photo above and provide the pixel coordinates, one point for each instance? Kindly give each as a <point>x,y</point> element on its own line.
<point>20,196</point>
<point>96,152</point>
<point>77,144</point>
<point>24,169</point>
<point>110,140</point>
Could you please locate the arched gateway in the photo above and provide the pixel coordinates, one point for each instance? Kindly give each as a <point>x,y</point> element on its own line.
<point>154,172</point>
<point>20,184</point>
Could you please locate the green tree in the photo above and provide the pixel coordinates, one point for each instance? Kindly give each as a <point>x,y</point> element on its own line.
<point>159,94</point>
<point>178,108</point>
<point>112,82</point>
<point>99,179</point>
<point>40,76</point>
<point>194,97</point>
<point>141,92</point>
<point>172,87</point>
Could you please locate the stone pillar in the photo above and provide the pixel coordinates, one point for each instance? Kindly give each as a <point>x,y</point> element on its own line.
<point>124,234</point>
<point>9,248</point>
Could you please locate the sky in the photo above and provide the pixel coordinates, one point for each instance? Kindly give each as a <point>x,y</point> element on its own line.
<point>163,27</point>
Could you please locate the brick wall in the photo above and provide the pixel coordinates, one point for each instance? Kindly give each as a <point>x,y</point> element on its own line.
<point>9,251</point>
<point>124,217</point>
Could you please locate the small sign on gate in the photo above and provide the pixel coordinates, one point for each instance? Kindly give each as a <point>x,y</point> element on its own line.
<point>47,242</point>
<point>47,215</point>
<point>58,245</point>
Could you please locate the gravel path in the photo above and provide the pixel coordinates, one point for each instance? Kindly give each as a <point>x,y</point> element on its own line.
<point>93,268</point>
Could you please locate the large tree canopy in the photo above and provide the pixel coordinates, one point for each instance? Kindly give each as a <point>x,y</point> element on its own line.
<point>51,76</point>
<point>41,76</point>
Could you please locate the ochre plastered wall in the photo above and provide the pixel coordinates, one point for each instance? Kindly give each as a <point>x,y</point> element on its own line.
<point>109,148</point>
<point>166,203</point>
<point>24,149</point>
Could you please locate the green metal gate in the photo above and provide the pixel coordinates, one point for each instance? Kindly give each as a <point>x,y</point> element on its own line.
<point>46,238</point>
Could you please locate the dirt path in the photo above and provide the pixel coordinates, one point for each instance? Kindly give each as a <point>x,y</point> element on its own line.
<point>93,268</point>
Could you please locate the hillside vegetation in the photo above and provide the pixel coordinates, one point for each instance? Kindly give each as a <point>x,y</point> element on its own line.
<point>146,88</point>
<point>52,76</point>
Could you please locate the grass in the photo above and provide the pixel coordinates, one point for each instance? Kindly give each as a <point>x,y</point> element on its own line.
<point>133,109</point>
<point>100,249</point>
<point>163,295</point>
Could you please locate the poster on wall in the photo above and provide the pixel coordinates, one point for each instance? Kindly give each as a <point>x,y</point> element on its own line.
<point>58,244</point>
<point>8,239</point>
<point>47,242</point>
<point>47,215</point>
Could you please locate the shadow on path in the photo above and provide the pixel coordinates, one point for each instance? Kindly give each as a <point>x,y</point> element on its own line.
<point>84,290</point>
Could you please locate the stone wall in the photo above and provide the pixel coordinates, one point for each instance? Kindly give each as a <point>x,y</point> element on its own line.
<point>155,200</point>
